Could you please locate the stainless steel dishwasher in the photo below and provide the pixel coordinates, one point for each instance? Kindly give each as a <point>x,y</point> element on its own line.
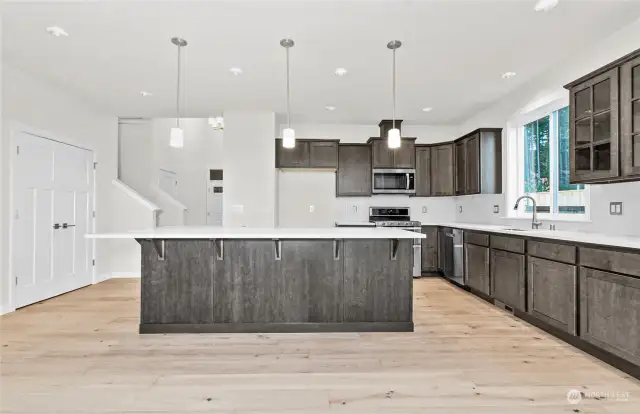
<point>453,266</point>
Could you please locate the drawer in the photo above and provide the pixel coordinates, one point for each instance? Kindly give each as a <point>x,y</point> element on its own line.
<point>509,244</point>
<point>552,251</point>
<point>620,262</point>
<point>476,238</point>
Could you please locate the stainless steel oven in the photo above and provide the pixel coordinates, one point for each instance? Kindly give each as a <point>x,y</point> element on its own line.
<point>394,181</point>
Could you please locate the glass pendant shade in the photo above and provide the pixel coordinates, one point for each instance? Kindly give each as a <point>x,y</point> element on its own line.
<point>393,138</point>
<point>288,138</point>
<point>177,138</point>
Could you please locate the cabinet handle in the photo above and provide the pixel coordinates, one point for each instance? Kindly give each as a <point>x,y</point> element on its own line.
<point>278,249</point>
<point>219,248</point>
<point>336,250</point>
<point>394,248</point>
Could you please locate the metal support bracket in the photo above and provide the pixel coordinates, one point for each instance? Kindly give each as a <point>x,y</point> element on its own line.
<point>219,248</point>
<point>336,249</point>
<point>278,249</point>
<point>394,248</point>
<point>160,248</point>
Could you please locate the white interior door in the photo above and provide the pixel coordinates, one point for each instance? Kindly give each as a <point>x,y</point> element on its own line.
<point>53,210</point>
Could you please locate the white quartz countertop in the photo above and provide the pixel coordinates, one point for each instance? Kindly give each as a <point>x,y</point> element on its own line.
<point>630,242</point>
<point>210,232</point>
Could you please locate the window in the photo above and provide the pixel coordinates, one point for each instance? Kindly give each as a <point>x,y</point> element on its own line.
<point>544,168</point>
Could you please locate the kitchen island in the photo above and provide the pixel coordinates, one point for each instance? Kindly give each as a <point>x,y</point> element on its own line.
<point>208,279</point>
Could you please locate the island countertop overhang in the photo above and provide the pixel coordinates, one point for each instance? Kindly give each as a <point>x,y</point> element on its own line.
<point>208,232</point>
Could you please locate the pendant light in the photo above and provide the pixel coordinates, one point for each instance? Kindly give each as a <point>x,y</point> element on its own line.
<point>393,136</point>
<point>288,134</point>
<point>177,134</point>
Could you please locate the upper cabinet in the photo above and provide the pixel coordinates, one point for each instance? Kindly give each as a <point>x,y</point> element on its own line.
<point>308,154</point>
<point>605,123</point>
<point>423,170</point>
<point>353,177</point>
<point>442,176</point>
<point>385,157</point>
<point>479,162</point>
<point>630,117</point>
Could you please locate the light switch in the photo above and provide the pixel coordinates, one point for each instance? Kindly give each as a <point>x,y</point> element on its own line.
<point>424,209</point>
<point>459,209</point>
<point>615,208</point>
<point>312,209</point>
<point>496,209</point>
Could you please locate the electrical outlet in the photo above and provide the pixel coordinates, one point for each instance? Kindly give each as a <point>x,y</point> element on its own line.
<point>496,209</point>
<point>354,208</point>
<point>424,209</point>
<point>615,208</point>
<point>312,209</point>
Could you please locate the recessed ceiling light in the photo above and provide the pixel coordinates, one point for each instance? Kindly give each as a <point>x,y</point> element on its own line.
<point>145,93</point>
<point>545,5</point>
<point>56,31</point>
<point>427,109</point>
<point>330,108</point>
<point>235,71</point>
<point>508,75</point>
<point>341,72</point>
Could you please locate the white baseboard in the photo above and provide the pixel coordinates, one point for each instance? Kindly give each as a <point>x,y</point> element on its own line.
<point>5,309</point>
<point>125,275</point>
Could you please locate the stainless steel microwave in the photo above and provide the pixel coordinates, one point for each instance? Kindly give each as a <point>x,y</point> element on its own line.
<point>394,181</point>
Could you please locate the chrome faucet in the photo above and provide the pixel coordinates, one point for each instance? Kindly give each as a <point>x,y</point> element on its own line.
<point>535,224</point>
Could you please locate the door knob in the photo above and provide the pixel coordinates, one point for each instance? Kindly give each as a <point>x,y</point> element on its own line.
<point>56,226</point>
<point>65,225</point>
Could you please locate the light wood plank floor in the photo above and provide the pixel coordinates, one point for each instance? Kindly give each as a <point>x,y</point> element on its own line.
<point>81,353</point>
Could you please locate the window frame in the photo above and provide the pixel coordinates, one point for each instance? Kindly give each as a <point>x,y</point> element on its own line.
<point>515,163</point>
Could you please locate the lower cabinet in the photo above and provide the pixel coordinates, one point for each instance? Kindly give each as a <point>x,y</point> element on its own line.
<point>430,249</point>
<point>552,293</point>
<point>508,278</point>
<point>477,267</point>
<point>610,312</point>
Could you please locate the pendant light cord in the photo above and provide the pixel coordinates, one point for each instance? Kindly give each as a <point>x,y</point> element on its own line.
<point>394,90</point>
<point>178,92</point>
<point>288,94</point>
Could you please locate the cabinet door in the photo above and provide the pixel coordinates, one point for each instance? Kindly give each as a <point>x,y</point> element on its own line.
<point>552,293</point>
<point>594,138</point>
<point>382,154</point>
<point>423,171</point>
<point>477,267</point>
<point>461,172</point>
<point>630,117</point>
<point>430,249</point>
<point>405,156</point>
<point>442,170</point>
<point>473,165</point>
<point>354,170</point>
<point>610,312</point>
<point>323,154</point>
<point>508,278</point>
<point>296,157</point>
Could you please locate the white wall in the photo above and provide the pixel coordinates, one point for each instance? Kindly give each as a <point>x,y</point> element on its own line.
<point>144,150</point>
<point>480,208</point>
<point>250,176</point>
<point>35,103</point>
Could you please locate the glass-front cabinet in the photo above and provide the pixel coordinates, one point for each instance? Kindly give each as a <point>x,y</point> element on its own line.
<point>594,128</point>
<point>630,117</point>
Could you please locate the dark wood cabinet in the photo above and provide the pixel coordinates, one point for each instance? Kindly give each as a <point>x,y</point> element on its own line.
<point>430,249</point>
<point>308,154</point>
<point>353,177</point>
<point>610,312</point>
<point>594,139</point>
<point>630,118</point>
<point>604,123</point>
<point>552,293</point>
<point>442,170</point>
<point>477,268</point>
<point>385,157</point>
<point>508,278</point>
<point>472,166</point>
<point>423,171</point>
<point>461,167</point>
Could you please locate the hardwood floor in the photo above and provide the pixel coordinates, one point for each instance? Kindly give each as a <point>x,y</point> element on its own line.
<point>81,353</point>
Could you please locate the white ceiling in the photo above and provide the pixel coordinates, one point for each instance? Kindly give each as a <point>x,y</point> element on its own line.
<point>453,55</point>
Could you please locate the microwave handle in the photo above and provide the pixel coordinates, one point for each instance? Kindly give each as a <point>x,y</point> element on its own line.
<point>407,181</point>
